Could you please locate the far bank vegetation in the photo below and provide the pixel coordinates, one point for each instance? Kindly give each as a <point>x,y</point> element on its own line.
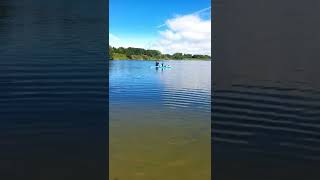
<point>144,54</point>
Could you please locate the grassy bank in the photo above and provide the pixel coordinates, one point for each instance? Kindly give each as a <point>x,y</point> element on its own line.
<point>143,54</point>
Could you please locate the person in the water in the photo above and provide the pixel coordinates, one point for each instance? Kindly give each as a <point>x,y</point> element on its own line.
<point>157,63</point>
<point>162,64</point>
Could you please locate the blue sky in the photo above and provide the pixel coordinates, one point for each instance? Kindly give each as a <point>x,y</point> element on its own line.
<point>135,22</point>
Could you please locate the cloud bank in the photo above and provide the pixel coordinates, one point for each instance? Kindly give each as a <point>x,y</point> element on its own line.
<point>186,34</point>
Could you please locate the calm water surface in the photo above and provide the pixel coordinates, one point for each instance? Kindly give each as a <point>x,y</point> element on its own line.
<point>160,120</point>
<point>53,89</point>
<point>266,117</point>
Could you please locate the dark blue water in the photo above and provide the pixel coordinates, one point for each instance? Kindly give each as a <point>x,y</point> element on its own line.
<point>53,89</point>
<point>266,99</point>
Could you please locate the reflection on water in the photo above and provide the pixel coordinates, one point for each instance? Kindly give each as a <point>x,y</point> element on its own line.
<point>193,76</point>
<point>160,120</point>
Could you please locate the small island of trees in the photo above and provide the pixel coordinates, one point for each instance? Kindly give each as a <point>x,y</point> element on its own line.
<point>143,54</point>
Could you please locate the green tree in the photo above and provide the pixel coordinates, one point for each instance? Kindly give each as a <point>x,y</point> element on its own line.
<point>139,53</point>
<point>177,56</point>
<point>110,53</point>
<point>187,56</point>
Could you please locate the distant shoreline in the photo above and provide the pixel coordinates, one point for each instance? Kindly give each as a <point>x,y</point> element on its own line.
<point>160,59</point>
<point>150,55</point>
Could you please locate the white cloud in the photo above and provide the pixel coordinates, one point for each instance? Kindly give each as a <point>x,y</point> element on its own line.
<point>113,37</point>
<point>186,34</point>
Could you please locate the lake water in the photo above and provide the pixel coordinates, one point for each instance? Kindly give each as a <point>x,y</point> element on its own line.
<point>266,124</point>
<point>266,118</point>
<point>53,89</point>
<point>160,120</point>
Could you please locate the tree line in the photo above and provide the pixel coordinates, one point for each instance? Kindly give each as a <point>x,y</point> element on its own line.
<point>146,54</point>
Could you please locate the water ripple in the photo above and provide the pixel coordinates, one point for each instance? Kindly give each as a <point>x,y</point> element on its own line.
<point>274,120</point>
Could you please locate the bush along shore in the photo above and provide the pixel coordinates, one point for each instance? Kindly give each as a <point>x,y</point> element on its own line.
<point>143,54</point>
